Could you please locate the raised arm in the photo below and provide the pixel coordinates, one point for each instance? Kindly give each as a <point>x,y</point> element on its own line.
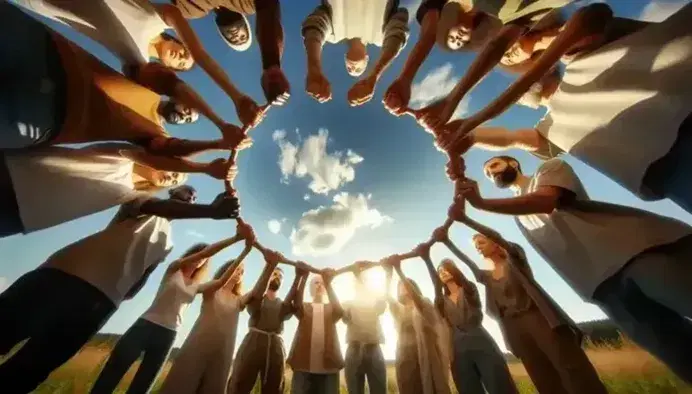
<point>223,207</point>
<point>175,164</point>
<point>272,259</point>
<point>315,29</point>
<point>270,36</point>
<point>288,306</point>
<point>298,299</point>
<point>174,147</point>
<point>328,276</point>
<point>216,284</point>
<point>205,253</point>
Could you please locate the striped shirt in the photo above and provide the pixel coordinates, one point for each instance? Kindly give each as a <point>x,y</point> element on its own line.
<point>378,22</point>
<point>193,9</point>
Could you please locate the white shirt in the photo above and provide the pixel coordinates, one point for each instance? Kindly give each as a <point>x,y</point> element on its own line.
<point>317,339</point>
<point>362,318</point>
<point>590,241</point>
<point>619,108</point>
<point>171,300</point>
<point>124,27</point>
<point>54,185</point>
<point>114,259</point>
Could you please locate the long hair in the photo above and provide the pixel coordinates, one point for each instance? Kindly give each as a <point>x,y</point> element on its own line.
<point>457,276</point>
<point>238,287</point>
<point>500,249</point>
<point>200,272</point>
<point>415,286</point>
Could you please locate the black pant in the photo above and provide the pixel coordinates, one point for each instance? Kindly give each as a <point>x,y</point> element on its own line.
<point>144,337</point>
<point>58,313</point>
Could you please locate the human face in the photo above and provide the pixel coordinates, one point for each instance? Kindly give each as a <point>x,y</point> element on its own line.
<point>356,58</point>
<point>185,194</point>
<point>275,280</point>
<point>317,287</point>
<point>458,37</point>
<point>174,55</point>
<point>236,34</point>
<point>237,275</point>
<point>175,113</point>
<point>484,246</point>
<point>500,172</point>
<point>356,68</point>
<point>444,274</point>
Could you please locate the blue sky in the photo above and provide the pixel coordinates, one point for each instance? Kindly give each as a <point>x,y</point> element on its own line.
<point>388,178</point>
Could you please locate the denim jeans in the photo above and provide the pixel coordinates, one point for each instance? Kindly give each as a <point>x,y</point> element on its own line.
<point>365,361</point>
<point>651,300</point>
<point>58,312</point>
<point>33,93</point>
<point>144,338</point>
<point>314,383</point>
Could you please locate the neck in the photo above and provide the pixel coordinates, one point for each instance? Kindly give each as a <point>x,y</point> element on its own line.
<point>497,261</point>
<point>153,47</point>
<point>453,287</point>
<point>270,294</point>
<point>521,183</point>
<point>318,299</point>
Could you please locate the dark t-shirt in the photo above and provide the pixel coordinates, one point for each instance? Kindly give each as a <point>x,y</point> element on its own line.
<point>429,5</point>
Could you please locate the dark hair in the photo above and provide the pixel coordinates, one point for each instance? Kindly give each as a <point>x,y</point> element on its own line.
<point>225,18</point>
<point>238,288</point>
<point>168,37</point>
<point>458,276</point>
<point>172,191</point>
<point>196,248</point>
<point>505,158</point>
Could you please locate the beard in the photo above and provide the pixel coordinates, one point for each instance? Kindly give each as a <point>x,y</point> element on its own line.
<point>274,285</point>
<point>506,178</point>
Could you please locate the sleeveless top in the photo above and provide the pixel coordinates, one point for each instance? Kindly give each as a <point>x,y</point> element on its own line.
<point>172,299</point>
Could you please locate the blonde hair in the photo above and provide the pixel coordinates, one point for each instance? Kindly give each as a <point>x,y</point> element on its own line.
<point>501,250</point>
<point>238,287</point>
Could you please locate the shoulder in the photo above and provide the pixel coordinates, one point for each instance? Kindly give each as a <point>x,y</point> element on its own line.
<point>429,5</point>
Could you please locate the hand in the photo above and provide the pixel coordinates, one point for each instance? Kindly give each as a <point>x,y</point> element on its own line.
<point>219,169</point>
<point>246,232</point>
<point>423,250</point>
<point>393,261</point>
<point>441,234</point>
<point>397,96</point>
<point>328,275</point>
<point>435,116</point>
<point>232,172</point>
<point>469,189</point>
<point>455,137</point>
<point>234,137</point>
<point>457,212</point>
<point>318,87</point>
<point>302,269</point>
<point>249,113</point>
<point>272,258</point>
<point>275,86</point>
<point>455,168</point>
<point>226,207</point>
<point>361,92</point>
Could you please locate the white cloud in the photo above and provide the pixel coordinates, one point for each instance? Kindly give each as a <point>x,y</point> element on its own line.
<point>435,85</point>
<point>327,171</point>
<point>660,10</point>
<point>4,283</point>
<point>306,197</point>
<point>274,226</point>
<point>326,230</point>
<point>194,233</point>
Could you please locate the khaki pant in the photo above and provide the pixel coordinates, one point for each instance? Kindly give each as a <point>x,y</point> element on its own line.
<point>553,358</point>
<point>253,360</point>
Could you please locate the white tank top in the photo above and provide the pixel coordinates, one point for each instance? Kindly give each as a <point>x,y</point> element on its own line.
<point>173,297</point>
<point>124,27</point>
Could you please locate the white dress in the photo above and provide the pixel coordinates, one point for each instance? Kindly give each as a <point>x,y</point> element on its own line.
<point>203,364</point>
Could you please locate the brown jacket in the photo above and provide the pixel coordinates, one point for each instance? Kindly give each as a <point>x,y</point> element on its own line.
<point>299,357</point>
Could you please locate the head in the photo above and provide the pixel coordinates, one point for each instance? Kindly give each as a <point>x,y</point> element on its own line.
<point>449,273</point>
<point>276,279</point>
<point>403,295</point>
<point>183,193</point>
<point>489,249</point>
<point>503,171</point>
<point>317,290</point>
<point>173,53</point>
<point>356,57</point>
<point>459,30</point>
<point>155,180</point>
<point>176,113</point>
<point>234,29</point>
<point>235,284</point>
<point>196,272</point>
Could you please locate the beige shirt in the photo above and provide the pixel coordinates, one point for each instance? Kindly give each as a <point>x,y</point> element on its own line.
<point>619,108</point>
<point>589,241</point>
<point>192,9</point>
<point>362,318</point>
<point>317,339</point>
<point>115,259</point>
<point>171,300</point>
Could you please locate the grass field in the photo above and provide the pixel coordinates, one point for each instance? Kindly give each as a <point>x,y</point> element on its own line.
<point>623,367</point>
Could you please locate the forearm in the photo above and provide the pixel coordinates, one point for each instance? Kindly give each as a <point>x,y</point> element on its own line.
<point>334,300</point>
<point>184,94</point>
<point>270,33</point>
<point>385,59</point>
<point>313,50</point>
<point>492,138</point>
<point>173,147</point>
<point>425,43</point>
<point>293,290</point>
<point>166,163</point>
<point>263,281</point>
<point>434,277</point>
<point>477,273</point>
<point>487,59</point>
<point>522,205</point>
<point>205,253</point>
<point>415,296</point>
<point>171,209</point>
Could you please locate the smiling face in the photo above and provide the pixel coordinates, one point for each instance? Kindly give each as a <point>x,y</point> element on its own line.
<point>276,279</point>
<point>444,274</point>
<point>317,289</point>
<point>176,113</point>
<point>173,54</point>
<point>356,58</point>
<point>484,246</point>
<point>184,193</point>
<point>234,29</point>
<point>502,171</point>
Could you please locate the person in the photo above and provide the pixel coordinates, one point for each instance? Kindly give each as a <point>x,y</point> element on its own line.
<point>87,281</point>
<point>230,17</point>
<point>262,352</point>
<point>133,30</point>
<point>364,359</point>
<point>315,357</point>
<point>204,363</point>
<point>632,263</point>
<point>490,27</point>
<point>88,101</point>
<point>598,110</point>
<point>334,21</point>
<point>477,362</point>
<point>422,362</point>
<point>537,330</point>
<point>113,173</point>
<point>154,332</point>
